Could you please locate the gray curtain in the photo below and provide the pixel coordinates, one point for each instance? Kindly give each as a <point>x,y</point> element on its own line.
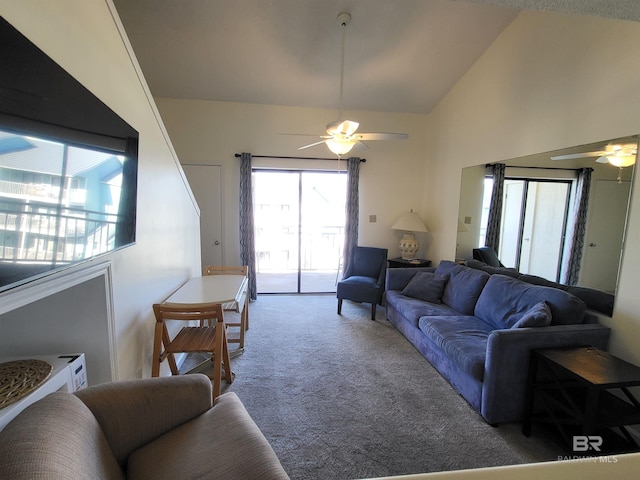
<point>247,234</point>
<point>352,209</point>
<point>575,247</point>
<point>492,238</point>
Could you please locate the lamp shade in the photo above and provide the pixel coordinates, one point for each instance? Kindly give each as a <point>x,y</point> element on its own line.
<point>410,222</point>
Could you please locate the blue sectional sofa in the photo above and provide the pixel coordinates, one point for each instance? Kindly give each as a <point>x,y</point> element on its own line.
<point>478,330</point>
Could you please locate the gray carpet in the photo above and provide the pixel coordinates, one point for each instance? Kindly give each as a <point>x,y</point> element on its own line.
<point>343,397</point>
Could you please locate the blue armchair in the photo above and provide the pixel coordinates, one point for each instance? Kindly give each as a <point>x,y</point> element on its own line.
<point>363,279</point>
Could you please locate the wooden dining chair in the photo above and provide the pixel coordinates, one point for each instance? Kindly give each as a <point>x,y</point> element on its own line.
<point>243,324</point>
<point>210,337</point>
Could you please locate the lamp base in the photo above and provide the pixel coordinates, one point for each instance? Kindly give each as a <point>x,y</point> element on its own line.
<point>409,246</point>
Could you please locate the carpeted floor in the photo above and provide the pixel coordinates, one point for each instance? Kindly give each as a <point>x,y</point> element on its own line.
<point>343,397</point>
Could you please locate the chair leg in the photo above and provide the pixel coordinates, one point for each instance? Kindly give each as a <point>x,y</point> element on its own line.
<point>373,311</point>
<point>339,306</point>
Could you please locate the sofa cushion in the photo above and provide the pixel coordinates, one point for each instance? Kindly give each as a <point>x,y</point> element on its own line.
<point>537,316</point>
<point>462,338</point>
<point>504,300</point>
<point>412,308</point>
<point>56,438</point>
<point>594,299</point>
<point>478,265</point>
<point>464,286</point>
<point>426,286</point>
<point>537,280</point>
<point>224,443</point>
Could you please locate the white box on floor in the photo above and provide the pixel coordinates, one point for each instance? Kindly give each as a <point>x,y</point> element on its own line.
<point>68,374</point>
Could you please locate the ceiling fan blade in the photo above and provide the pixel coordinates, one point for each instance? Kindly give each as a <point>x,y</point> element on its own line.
<point>602,160</point>
<point>344,127</point>
<point>312,145</point>
<point>381,136</point>
<point>578,155</point>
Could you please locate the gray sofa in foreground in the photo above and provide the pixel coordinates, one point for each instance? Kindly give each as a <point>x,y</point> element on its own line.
<point>478,330</point>
<point>159,428</point>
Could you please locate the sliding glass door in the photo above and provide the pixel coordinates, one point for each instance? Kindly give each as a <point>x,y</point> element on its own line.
<point>532,233</point>
<point>299,222</point>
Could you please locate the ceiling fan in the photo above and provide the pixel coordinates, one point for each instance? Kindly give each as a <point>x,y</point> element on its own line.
<point>617,154</point>
<point>342,134</point>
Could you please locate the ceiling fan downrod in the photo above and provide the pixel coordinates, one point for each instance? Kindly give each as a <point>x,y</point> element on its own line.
<point>343,20</point>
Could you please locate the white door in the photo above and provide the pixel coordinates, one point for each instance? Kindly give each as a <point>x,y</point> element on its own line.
<point>205,181</point>
<point>603,239</point>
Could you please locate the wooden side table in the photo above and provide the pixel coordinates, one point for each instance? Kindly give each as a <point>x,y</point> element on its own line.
<point>583,393</point>
<point>400,262</point>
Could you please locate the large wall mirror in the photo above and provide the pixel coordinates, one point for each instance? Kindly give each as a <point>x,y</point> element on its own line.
<point>538,215</point>
<point>68,167</point>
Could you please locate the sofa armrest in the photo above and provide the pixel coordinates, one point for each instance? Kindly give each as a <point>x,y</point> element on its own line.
<point>134,412</point>
<point>398,278</point>
<point>507,363</point>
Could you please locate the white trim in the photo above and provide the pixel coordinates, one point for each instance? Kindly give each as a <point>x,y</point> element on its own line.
<point>54,283</point>
<point>60,281</point>
<point>111,322</point>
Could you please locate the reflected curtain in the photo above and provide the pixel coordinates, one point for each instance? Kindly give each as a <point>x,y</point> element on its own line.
<point>576,234</point>
<point>352,209</point>
<point>247,232</point>
<point>126,222</point>
<point>492,238</point>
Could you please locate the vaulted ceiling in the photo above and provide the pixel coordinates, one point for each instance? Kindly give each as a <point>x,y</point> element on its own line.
<point>400,55</point>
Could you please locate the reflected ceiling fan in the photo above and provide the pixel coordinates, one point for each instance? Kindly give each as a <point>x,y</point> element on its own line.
<point>342,135</point>
<point>617,154</point>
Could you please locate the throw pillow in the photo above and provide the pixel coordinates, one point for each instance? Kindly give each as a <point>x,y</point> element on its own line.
<point>537,316</point>
<point>425,286</point>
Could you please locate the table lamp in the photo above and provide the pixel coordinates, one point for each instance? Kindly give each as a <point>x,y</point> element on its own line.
<point>410,223</point>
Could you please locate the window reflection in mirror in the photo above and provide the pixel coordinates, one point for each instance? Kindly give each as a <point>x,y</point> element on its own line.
<point>60,203</point>
<point>537,212</point>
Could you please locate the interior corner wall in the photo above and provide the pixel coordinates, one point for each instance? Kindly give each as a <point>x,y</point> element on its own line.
<point>85,37</point>
<point>549,81</point>
<point>391,179</point>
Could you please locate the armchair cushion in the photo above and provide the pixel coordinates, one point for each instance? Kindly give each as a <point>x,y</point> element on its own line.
<point>134,412</point>
<point>240,452</point>
<point>362,281</point>
<point>56,437</point>
<point>425,286</point>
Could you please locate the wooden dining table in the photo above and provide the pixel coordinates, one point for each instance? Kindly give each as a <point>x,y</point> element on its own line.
<point>214,289</point>
<point>221,289</point>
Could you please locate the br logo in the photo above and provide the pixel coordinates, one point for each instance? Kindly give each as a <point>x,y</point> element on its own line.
<point>585,443</point>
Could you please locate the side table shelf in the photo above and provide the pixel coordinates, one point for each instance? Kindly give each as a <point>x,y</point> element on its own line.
<point>583,392</point>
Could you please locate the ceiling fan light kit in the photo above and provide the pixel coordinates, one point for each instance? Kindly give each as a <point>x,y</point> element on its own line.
<point>616,154</point>
<point>341,134</point>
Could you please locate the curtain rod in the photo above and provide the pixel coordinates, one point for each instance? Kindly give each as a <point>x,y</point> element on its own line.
<point>238,155</point>
<point>538,168</point>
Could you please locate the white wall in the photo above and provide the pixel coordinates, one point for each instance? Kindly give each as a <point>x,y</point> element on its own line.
<point>85,38</point>
<point>391,181</point>
<point>549,81</point>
